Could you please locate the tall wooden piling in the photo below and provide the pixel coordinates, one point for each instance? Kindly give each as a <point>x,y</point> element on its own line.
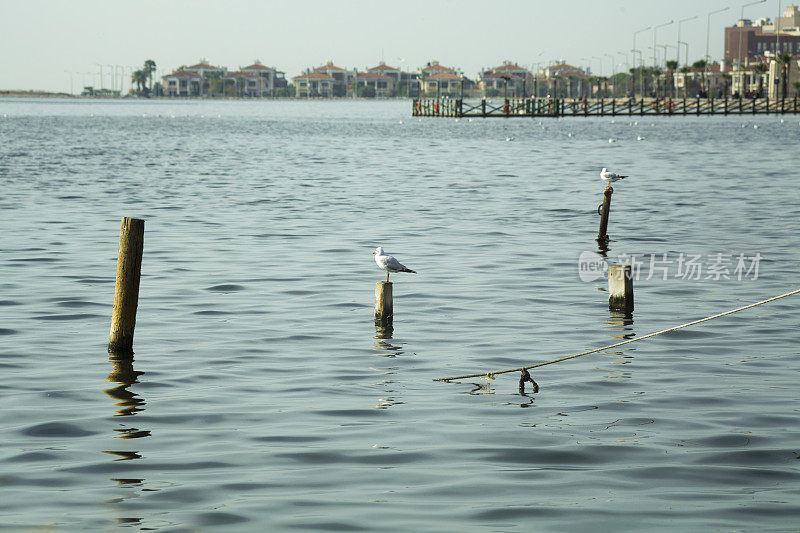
<point>383,303</point>
<point>126,291</point>
<point>605,211</point>
<point>620,288</point>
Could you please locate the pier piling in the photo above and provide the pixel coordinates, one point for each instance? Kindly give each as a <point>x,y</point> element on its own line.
<point>126,290</point>
<point>605,211</point>
<point>620,288</point>
<point>383,303</point>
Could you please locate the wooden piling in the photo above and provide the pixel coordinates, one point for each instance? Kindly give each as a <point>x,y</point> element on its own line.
<point>126,291</point>
<point>383,303</point>
<point>620,288</point>
<point>605,211</point>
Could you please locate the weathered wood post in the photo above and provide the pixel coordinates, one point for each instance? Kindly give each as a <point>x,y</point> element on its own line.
<point>605,211</point>
<point>383,303</point>
<point>620,288</point>
<point>126,291</point>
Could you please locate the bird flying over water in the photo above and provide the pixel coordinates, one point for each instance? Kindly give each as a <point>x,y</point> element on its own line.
<point>610,177</point>
<point>389,263</point>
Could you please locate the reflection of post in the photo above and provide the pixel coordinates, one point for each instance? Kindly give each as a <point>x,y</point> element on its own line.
<point>126,291</point>
<point>124,374</point>
<point>620,288</point>
<point>605,210</point>
<point>383,303</point>
<point>383,331</point>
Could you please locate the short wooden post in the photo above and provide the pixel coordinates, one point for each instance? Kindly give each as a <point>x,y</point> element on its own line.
<point>383,303</point>
<point>605,210</point>
<point>620,288</point>
<point>126,291</point>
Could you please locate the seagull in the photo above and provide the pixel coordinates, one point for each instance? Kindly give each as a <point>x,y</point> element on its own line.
<point>610,177</point>
<point>389,263</point>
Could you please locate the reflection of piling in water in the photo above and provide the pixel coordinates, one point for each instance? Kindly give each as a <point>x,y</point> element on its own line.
<point>620,288</point>
<point>123,373</point>
<point>605,211</point>
<point>126,291</point>
<point>383,304</point>
<point>383,331</point>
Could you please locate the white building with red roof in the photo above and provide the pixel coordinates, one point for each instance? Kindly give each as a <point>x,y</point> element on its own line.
<point>381,85</point>
<point>508,79</point>
<point>246,84</point>
<point>183,82</point>
<point>443,84</point>
<point>313,83</point>
<point>341,77</point>
<point>273,78</point>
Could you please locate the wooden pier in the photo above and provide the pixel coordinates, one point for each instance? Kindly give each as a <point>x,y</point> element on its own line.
<point>600,107</point>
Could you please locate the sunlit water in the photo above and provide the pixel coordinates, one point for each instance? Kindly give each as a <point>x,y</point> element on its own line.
<point>260,396</point>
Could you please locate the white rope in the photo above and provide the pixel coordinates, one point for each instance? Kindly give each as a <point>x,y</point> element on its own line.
<point>492,374</point>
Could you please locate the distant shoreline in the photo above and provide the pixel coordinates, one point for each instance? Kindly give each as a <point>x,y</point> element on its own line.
<point>48,94</point>
<point>36,94</point>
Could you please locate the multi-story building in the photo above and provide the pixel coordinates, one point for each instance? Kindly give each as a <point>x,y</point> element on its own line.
<point>183,83</point>
<point>438,80</point>
<point>341,78</point>
<point>273,78</point>
<point>381,85</point>
<point>562,79</point>
<point>754,42</point>
<point>507,79</point>
<point>313,84</point>
<point>246,84</point>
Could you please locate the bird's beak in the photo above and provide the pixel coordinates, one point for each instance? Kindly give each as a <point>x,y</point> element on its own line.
<point>373,252</point>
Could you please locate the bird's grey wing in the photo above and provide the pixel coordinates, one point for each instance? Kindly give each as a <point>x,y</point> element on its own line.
<point>393,264</point>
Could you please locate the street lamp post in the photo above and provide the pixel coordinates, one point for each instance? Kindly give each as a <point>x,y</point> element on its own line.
<point>739,56</point>
<point>654,39</point>
<point>611,76</point>
<point>633,55</point>
<point>686,57</point>
<point>678,57</point>
<point>708,33</point>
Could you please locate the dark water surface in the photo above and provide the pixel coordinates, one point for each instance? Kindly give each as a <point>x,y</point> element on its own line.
<point>260,396</point>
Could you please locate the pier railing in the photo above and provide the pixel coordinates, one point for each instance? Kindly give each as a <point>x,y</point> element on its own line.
<point>594,107</point>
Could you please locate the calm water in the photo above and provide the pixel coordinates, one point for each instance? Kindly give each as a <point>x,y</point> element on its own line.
<point>261,397</point>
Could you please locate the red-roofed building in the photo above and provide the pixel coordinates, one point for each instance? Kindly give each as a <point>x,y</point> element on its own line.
<point>182,82</point>
<point>273,78</point>
<point>433,67</point>
<point>405,83</point>
<point>341,77</point>
<point>508,79</point>
<point>376,83</point>
<point>562,79</point>
<point>313,83</point>
<point>443,83</point>
<point>246,84</point>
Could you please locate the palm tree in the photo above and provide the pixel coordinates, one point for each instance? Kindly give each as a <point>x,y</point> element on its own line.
<point>685,71</point>
<point>657,80</point>
<point>727,78</point>
<point>150,68</point>
<point>672,66</point>
<point>633,81</point>
<point>783,61</point>
<point>139,77</point>
<point>700,65</point>
<point>760,69</point>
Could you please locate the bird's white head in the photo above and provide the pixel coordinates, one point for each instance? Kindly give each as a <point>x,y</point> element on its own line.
<point>602,171</point>
<point>378,250</point>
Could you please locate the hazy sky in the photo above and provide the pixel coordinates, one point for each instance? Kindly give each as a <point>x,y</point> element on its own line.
<point>43,41</point>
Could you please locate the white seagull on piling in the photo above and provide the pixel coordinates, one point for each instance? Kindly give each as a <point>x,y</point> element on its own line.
<point>610,177</point>
<point>389,263</point>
